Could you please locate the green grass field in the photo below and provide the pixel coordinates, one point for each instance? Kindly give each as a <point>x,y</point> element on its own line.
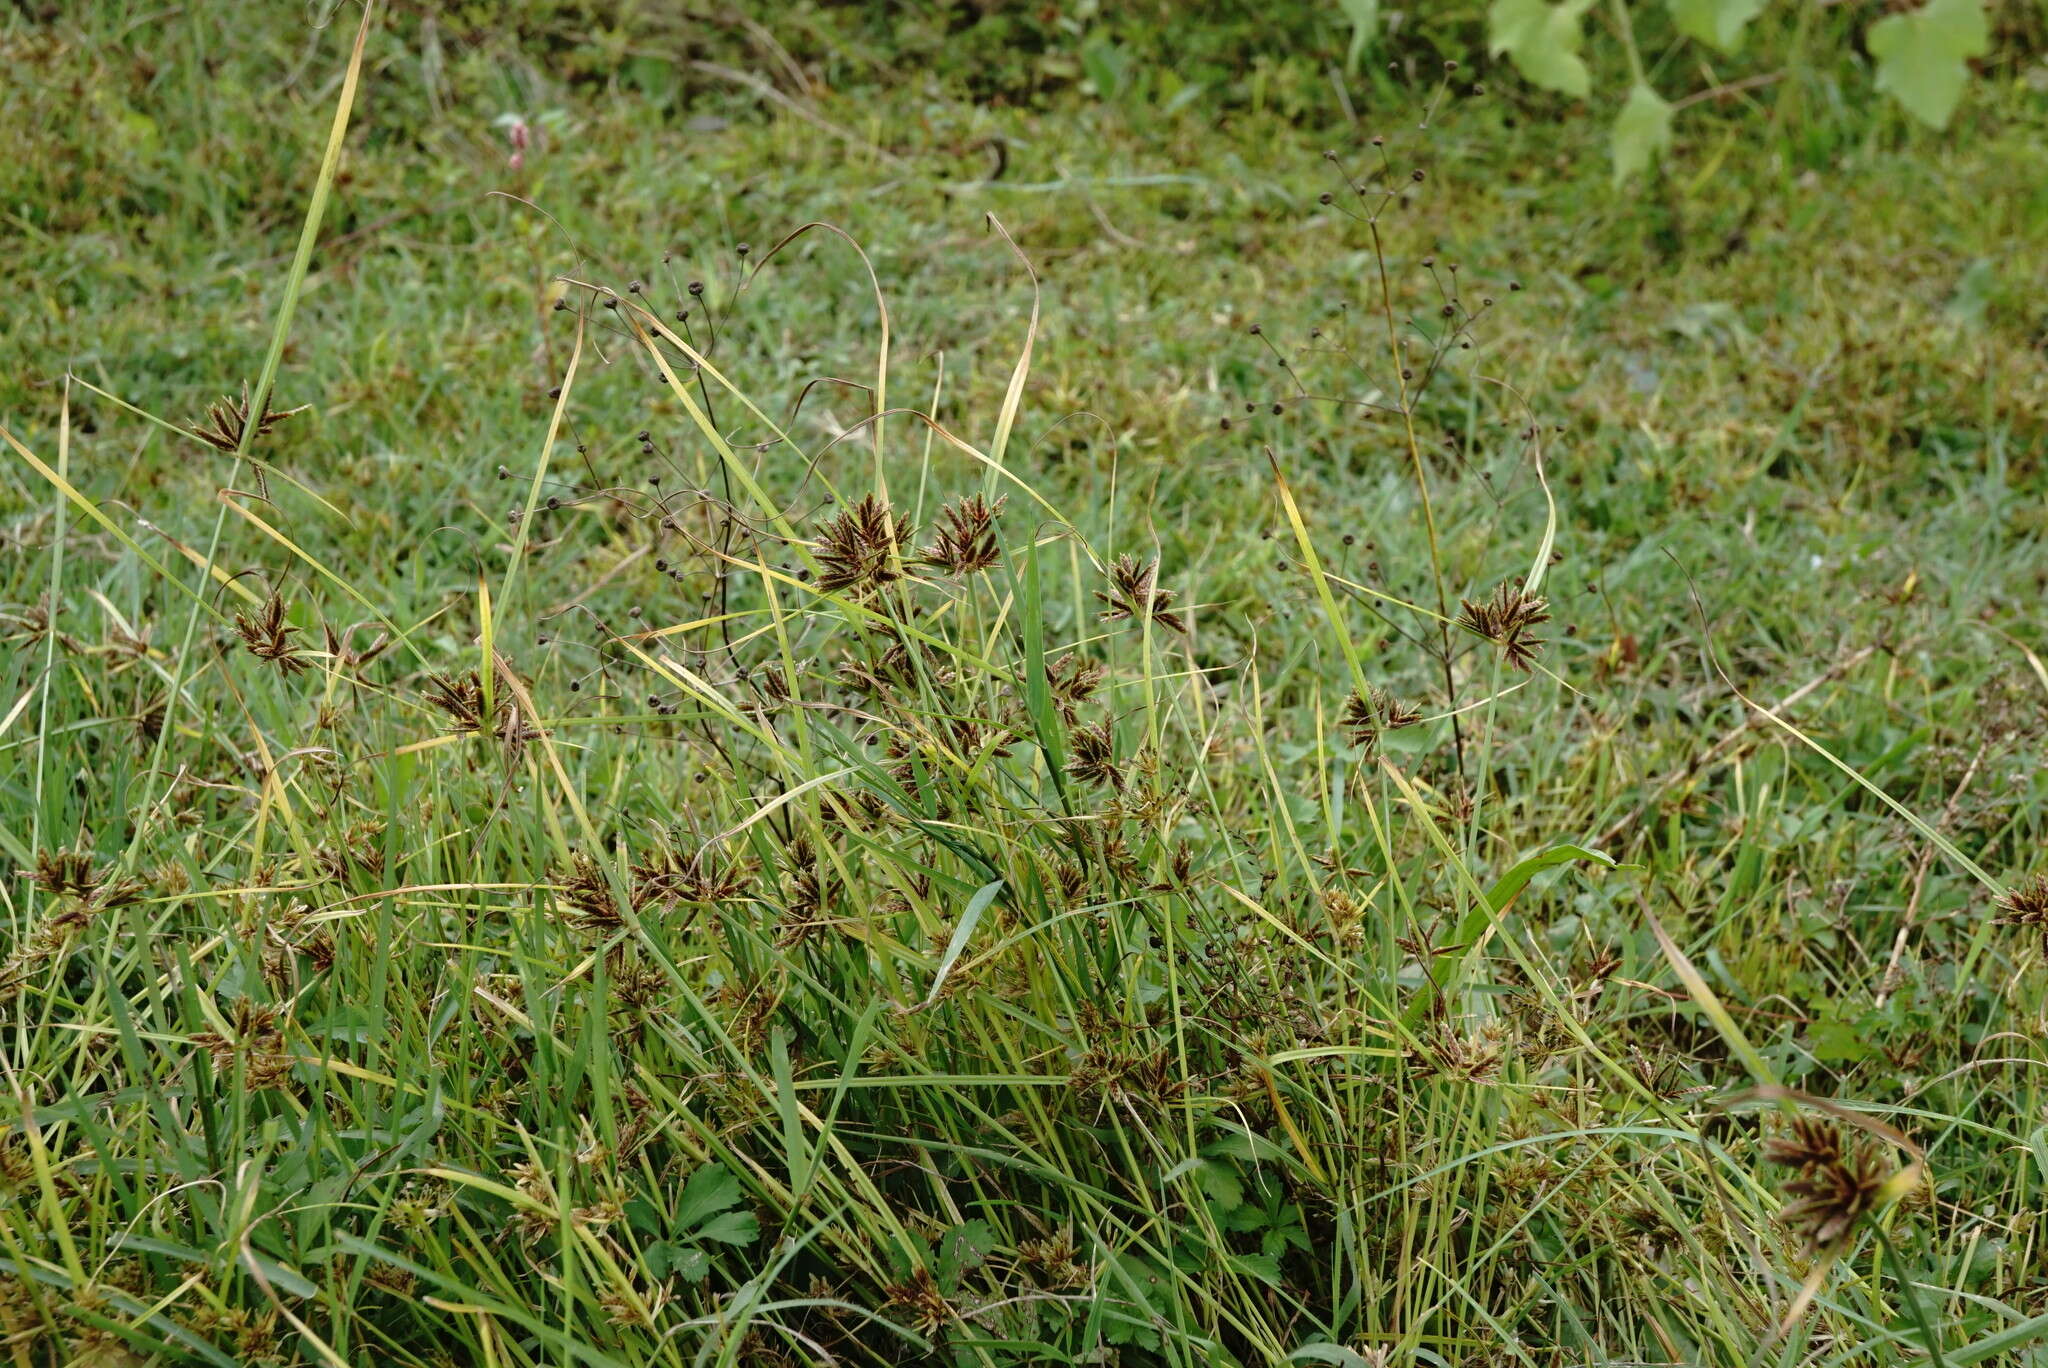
<point>1054,770</point>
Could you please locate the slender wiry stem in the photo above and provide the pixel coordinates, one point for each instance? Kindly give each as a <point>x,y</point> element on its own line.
<point>1436,560</point>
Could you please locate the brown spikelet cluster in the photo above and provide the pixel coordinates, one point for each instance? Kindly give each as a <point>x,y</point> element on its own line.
<point>78,894</point>
<point>350,657</point>
<point>1091,757</point>
<point>1072,679</point>
<point>861,549</point>
<point>72,874</point>
<point>891,665</point>
<point>1837,1184</point>
<point>2026,904</point>
<point>253,1039</point>
<point>227,417</point>
<point>665,877</point>
<point>1134,595</point>
<point>460,699</point>
<point>1508,620</point>
<point>589,896</point>
<point>920,1301</point>
<point>1368,714</point>
<point>64,873</point>
<point>268,637</point>
<point>1053,1261</point>
<point>965,538</point>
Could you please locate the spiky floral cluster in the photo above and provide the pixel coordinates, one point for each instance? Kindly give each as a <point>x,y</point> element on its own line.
<point>268,637</point>
<point>1072,680</point>
<point>1838,1182</point>
<point>1508,620</point>
<point>1135,596</point>
<point>860,550</point>
<point>965,539</point>
<point>1091,756</point>
<point>1366,715</point>
<point>2026,904</point>
<point>254,1040</point>
<point>460,699</point>
<point>227,418</point>
<point>588,894</point>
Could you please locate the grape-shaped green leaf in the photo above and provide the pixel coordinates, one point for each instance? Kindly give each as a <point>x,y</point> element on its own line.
<point>1543,41</point>
<point>1717,23</point>
<point>1641,131</point>
<point>1923,57</point>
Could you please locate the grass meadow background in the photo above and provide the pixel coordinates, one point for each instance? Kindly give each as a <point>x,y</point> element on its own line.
<point>1150,747</point>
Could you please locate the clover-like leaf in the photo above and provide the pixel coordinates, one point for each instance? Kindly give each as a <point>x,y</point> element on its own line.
<point>1923,57</point>
<point>1641,131</point>
<point>732,1227</point>
<point>711,1189</point>
<point>1717,23</point>
<point>1542,40</point>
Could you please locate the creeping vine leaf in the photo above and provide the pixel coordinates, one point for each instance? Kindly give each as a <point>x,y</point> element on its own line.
<point>1923,57</point>
<point>1641,131</point>
<point>1543,41</point>
<point>1717,23</point>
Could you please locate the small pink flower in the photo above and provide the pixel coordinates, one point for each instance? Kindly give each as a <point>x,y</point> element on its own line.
<point>521,137</point>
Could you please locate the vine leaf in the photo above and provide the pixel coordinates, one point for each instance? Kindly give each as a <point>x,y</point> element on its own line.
<point>1923,57</point>
<point>1717,23</point>
<point>1543,41</point>
<point>1641,131</point>
<point>1365,22</point>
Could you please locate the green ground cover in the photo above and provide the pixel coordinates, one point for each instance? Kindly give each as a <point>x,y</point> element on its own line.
<point>587,844</point>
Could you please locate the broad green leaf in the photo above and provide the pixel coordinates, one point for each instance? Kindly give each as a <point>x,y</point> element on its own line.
<point>732,1227</point>
<point>1641,131</point>
<point>1543,41</point>
<point>1264,1267</point>
<point>658,1258</point>
<point>1923,57</point>
<point>1220,1183</point>
<point>1717,23</point>
<point>1365,23</point>
<point>1329,1353</point>
<point>962,1249</point>
<point>710,1190</point>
